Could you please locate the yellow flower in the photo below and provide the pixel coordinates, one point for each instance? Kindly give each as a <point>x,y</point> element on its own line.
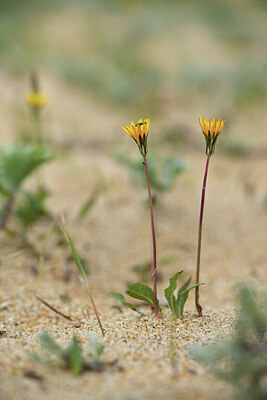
<point>36,99</point>
<point>139,133</point>
<point>211,130</point>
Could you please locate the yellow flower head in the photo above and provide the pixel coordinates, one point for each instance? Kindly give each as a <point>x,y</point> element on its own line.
<point>139,133</point>
<point>211,130</point>
<point>36,100</point>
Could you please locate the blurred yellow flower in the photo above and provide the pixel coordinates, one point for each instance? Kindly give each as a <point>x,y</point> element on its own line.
<point>139,133</point>
<point>211,130</point>
<point>36,99</point>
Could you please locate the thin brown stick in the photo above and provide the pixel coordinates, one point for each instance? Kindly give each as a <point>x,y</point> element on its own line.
<point>50,306</point>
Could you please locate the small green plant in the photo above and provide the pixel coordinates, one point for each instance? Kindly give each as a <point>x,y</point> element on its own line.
<point>16,164</point>
<point>143,270</point>
<point>177,303</point>
<point>162,172</point>
<point>137,290</point>
<point>236,148</point>
<point>96,348</point>
<point>121,298</point>
<point>32,207</point>
<point>242,360</point>
<point>140,291</point>
<point>70,357</point>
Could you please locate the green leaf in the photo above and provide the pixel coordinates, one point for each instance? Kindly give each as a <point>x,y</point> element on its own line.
<point>96,348</point>
<point>120,297</point>
<point>169,293</point>
<point>50,344</point>
<point>183,288</point>
<point>32,207</point>
<point>141,291</point>
<point>181,304</point>
<point>192,287</point>
<point>180,301</point>
<point>73,355</point>
<point>183,298</point>
<point>70,357</point>
<point>17,163</point>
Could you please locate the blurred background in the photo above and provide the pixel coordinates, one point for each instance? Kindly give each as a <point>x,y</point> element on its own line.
<point>169,60</point>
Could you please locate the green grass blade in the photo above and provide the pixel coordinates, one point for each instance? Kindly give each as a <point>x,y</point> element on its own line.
<point>82,272</point>
<point>86,208</point>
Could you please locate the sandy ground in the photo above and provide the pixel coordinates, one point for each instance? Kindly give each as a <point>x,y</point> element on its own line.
<point>112,239</point>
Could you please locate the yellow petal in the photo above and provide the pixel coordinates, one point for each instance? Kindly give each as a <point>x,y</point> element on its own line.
<point>139,130</point>
<point>147,125</point>
<point>218,125</point>
<point>222,124</point>
<point>213,128</point>
<point>127,130</point>
<point>201,123</point>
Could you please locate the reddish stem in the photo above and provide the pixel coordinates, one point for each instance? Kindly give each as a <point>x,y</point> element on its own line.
<point>155,308</point>
<point>6,212</point>
<point>198,306</point>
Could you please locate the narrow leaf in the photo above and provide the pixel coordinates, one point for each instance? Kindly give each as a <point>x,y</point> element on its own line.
<point>183,287</point>
<point>192,287</point>
<point>73,354</point>
<point>49,343</point>
<point>180,305</point>
<point>76,256</point>
<point>169,292</point>
<point>86,207</point>
<point>96,348</point>
<point>120,297</point>
<point>183,298</point>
